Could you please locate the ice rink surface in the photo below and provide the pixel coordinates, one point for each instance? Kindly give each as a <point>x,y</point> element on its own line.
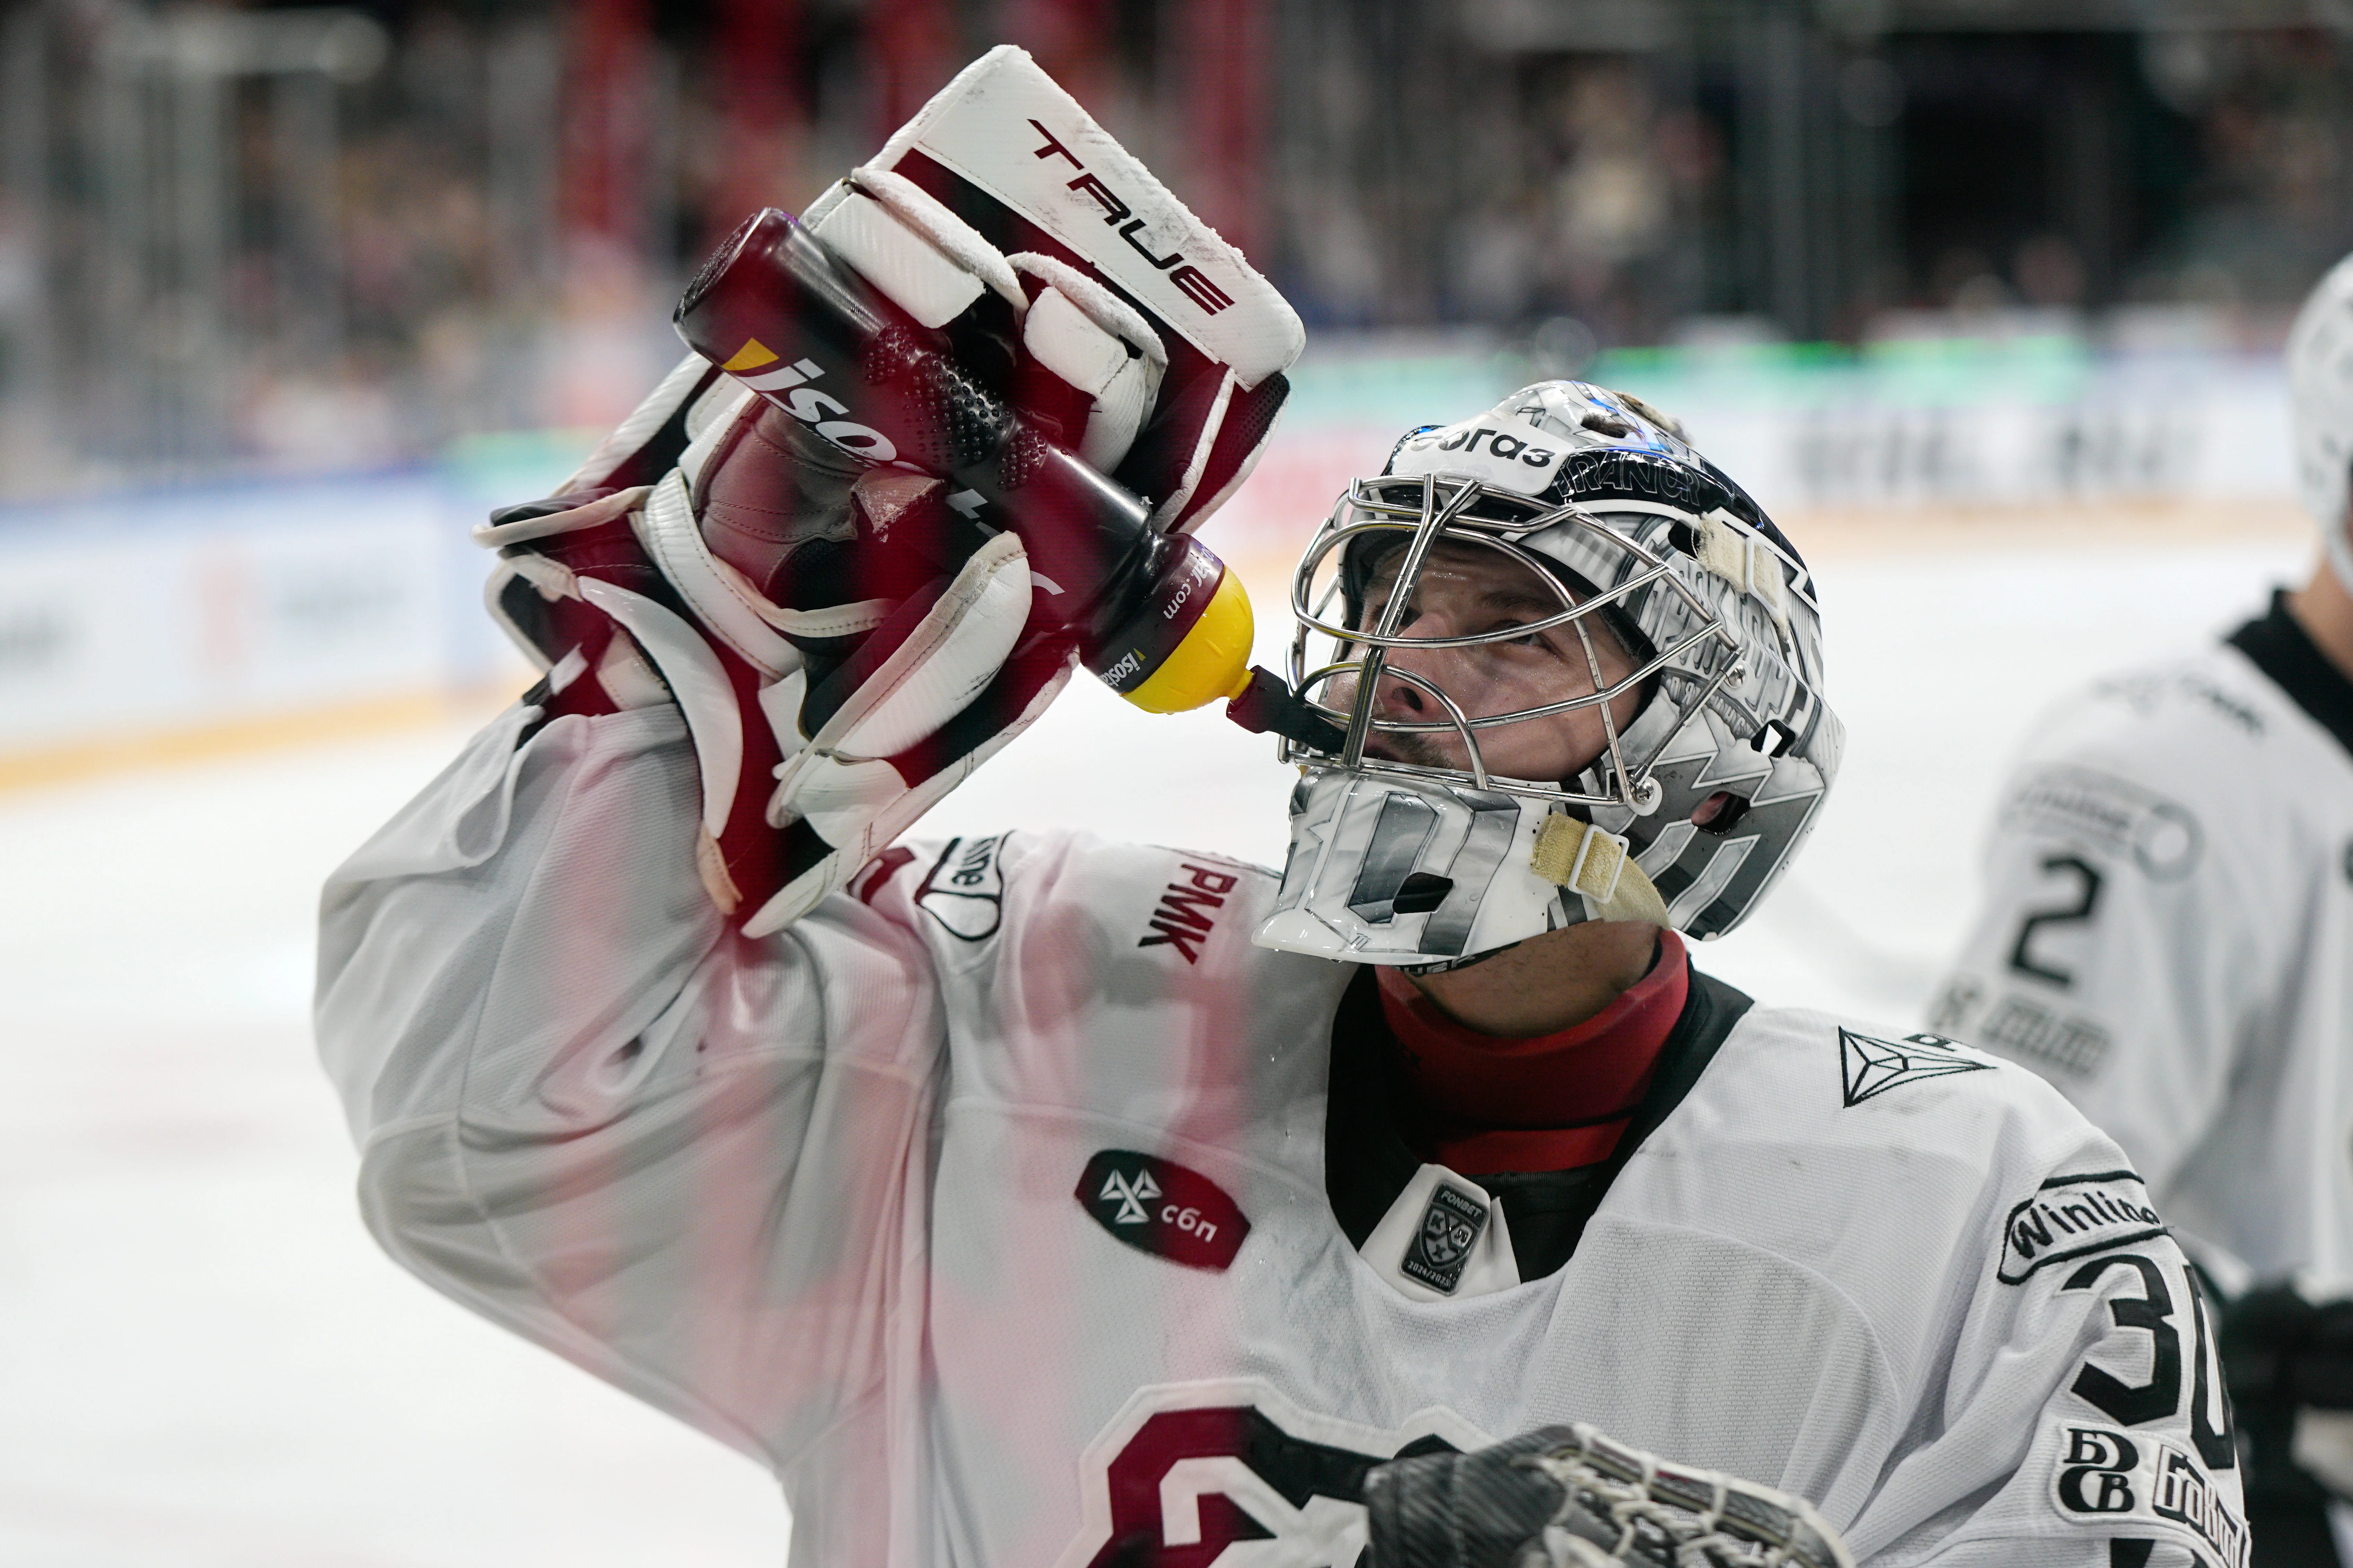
<point>206,1364</point>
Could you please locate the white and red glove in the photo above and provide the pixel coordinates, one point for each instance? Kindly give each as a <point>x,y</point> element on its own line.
<point>824,725</point>
<point>1106,254</point>
<point>839,668</point>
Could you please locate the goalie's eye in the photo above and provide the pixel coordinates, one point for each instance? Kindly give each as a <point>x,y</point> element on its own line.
<point>1531,642</point>
<point>1377,604</point>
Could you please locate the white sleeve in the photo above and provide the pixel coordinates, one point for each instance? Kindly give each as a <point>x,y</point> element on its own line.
<point>2118,951</point>
<point>2082,1422</point>
<point>690,1163</point>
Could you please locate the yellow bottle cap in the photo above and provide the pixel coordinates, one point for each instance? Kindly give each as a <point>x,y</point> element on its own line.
<point>1212,662</point>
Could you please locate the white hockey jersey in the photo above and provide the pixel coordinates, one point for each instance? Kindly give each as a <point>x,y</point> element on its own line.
<point>2167,936</point>
<point>987,1206</point>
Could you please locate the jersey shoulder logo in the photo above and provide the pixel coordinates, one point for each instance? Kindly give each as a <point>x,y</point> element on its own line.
<point>964,890</point>
<point>1159,1206</point>
<point>1869,1068</point>
<point>2075,1216</point>
<point>1188,1470</point>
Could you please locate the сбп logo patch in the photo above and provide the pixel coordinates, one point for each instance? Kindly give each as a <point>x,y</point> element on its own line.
<point>1159,1206</point>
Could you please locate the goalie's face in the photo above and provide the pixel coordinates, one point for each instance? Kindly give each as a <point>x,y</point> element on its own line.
<point>1487,632</point>
<point>1534,622</point>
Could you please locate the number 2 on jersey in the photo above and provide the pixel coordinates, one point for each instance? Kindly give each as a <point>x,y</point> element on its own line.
<point>2087,899</point>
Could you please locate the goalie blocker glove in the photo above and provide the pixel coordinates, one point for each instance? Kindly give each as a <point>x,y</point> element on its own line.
<point>845,647</point>
<point>1179,412</point>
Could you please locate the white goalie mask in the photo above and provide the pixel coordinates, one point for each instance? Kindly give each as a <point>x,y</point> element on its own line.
<point>1547,638</point>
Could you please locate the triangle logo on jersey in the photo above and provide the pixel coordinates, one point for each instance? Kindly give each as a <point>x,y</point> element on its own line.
<point>1870,1068</point>
<point>1130,1194</point>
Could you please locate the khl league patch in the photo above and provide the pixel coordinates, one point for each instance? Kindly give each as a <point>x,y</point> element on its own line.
<point>1441,1246</point>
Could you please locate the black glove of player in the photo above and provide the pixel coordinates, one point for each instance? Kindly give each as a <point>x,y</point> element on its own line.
<point>2284,1357</point>
<point>2280,1350</point>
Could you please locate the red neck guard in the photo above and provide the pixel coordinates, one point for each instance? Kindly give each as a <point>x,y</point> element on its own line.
<point>1479,1104</point>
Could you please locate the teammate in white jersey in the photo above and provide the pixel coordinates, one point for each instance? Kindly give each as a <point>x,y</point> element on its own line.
<point>2167,937</point>
<point>1034,1200</point>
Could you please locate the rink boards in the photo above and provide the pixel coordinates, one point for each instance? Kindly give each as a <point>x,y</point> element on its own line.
<point>153,624</point>
<point>168,622</point>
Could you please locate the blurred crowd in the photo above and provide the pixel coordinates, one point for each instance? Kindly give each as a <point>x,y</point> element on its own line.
<point>307,237</point>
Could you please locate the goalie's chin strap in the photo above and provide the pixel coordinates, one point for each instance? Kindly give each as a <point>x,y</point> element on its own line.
<point>1582,857</point>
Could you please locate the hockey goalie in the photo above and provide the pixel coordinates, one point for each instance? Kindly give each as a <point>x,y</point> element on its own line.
<point>1032,1200</point>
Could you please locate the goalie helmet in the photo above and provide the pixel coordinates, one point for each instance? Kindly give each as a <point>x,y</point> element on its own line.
<point>1570,532</point>
<point>2320,380</point>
